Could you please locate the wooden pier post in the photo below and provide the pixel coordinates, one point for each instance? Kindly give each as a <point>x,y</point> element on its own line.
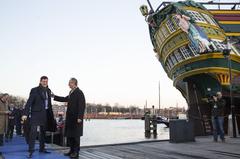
<point>150,125</point>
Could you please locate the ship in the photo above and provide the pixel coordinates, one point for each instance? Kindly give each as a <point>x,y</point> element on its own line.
<point>198,46</point>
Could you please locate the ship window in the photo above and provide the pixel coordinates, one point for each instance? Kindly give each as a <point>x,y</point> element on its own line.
<point>176,21</point>
<point>168,66</point>
<point>193,49</point>
<point>219,44</point>
<point>158,41</point>
<point>170,63</point>
<point>209,19</point>
<point>185,52</point>
<point>170,26</point>
<point>196,16</point>
<point>160,35</point>
<point>172,43</point>
<point>173,59</point>
<point>178,56</point>
<point>168,46</point>
<point>178,39</point>
<point>183,36</point>
<point>164,31</point>
<point>167,69</point>
<point>164,51</point>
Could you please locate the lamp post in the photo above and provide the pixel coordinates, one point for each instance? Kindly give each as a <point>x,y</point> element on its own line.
<point>226,53</point>
<point>231,97</point>
<point>159,100</point>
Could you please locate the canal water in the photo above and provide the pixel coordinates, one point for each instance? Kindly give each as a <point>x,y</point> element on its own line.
<point>100,132</point>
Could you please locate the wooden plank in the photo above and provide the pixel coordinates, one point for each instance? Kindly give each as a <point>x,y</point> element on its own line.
<point>203,148</point>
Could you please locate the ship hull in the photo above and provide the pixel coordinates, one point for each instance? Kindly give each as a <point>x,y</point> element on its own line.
<point>197,47</point>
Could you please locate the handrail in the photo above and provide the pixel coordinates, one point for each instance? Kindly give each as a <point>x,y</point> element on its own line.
<point>218,4</point>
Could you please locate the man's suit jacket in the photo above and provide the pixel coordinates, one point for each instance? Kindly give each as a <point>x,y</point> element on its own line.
<point>36,111</point>
<point>75,110</point>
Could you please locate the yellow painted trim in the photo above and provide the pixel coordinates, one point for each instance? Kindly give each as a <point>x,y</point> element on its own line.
<point>194,59</point>
<point>208,25</point>
<point>211,26</point>
<point>223,78</point>
<point>204,70</point>
<point>234,57</point>
<point>225,11</point>
<point>168,39</point>
<point>229,22</point>
<point>232,34</point>
<point>217,37</point>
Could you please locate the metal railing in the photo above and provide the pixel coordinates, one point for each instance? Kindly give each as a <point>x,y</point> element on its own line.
<point>214,5</point>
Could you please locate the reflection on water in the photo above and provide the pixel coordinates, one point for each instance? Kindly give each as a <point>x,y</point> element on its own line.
<point>98,132</point>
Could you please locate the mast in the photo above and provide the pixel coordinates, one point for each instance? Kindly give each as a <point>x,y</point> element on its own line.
<point>150,5</point>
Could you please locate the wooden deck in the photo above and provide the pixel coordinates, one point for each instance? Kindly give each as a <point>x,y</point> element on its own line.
<point>203,148</point>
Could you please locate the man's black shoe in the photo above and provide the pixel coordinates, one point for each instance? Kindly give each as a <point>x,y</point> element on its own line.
<point>44,151</point>
<point>74,155</point>
<point>68,154</point>
<point>30,155</point>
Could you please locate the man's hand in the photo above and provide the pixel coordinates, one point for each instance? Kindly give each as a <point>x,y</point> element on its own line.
<point>7,112</point>
<point>24,117</point>
<point>215,98</point>
<point>79,120</point>
<point>52,94</point>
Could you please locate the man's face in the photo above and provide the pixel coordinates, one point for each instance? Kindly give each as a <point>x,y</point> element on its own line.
<point>44,82</point>
<point>5,98</point>
<point>71,84</point>
<point>178,16</point>
<point>219,95</point>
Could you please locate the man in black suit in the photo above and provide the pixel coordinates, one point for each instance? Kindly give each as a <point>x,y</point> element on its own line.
<point>18,114</point>
<point>38,110</point>
<point>74,117</point>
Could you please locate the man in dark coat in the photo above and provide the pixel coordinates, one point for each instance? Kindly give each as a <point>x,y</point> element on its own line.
<point>11,122</point>
<point>38,110</point>
<point>74,117</point>
<point>218,106</point>
<point>18,115</point>
<point>3,116</point>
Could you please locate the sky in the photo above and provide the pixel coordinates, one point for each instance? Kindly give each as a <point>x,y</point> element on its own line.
<point>104,44</point>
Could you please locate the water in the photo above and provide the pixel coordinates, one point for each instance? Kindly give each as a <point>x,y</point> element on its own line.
<point>99,132</point>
